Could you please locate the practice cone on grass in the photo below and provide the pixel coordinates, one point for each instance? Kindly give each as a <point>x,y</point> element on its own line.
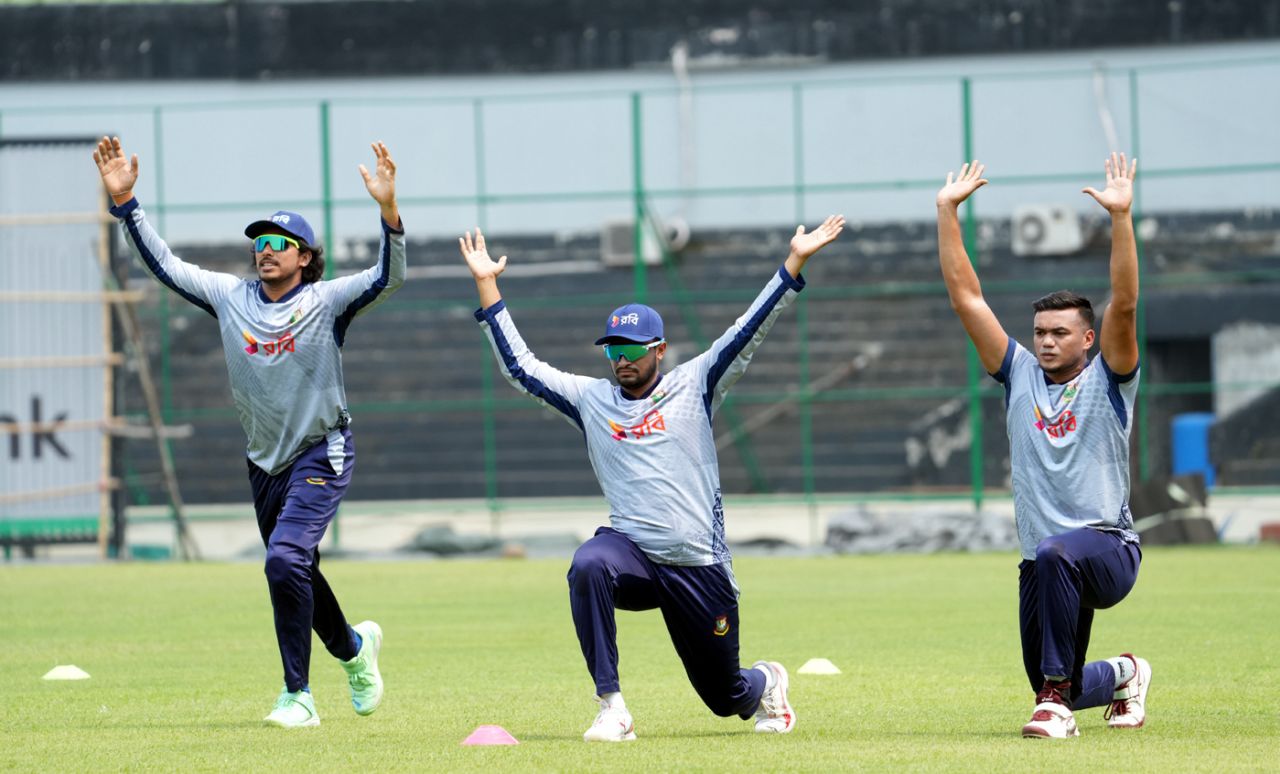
<point>66,672</point>
<point>818,666</point>
<point>489,735</point>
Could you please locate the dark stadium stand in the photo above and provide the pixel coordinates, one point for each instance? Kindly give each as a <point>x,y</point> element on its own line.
<point>416,366</point>
<point>271,40</point>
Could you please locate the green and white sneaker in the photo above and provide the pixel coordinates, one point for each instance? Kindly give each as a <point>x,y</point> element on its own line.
<point>362,671</point>
<point>293,710</point>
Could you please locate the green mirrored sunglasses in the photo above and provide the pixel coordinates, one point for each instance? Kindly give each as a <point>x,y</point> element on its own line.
<point>275,241</point>
<point>632,352</point>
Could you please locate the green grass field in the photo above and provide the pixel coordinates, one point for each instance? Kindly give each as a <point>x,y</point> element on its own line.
<point>184,666</point>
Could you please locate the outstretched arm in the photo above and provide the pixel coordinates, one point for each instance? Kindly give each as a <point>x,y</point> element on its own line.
<point>558,391</point>
<point>803,245</point>
<point>1120,321</point>
<point>382,184</point>
<point>119,174</point>
<point>720,367</point>
<point>957,272</point>
<point>484,269</point>
<point>205,289</point>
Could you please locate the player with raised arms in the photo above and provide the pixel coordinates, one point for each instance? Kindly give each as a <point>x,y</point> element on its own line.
<point>282,334</point>
<point>650,444</point>
<point>1068,419</point>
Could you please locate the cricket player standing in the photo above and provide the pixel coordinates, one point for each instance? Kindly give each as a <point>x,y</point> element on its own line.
<point>282,334</point>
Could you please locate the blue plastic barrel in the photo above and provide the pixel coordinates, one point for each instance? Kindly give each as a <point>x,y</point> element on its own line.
<point>1191,445</point>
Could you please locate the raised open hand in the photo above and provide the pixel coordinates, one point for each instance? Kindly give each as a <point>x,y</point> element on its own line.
<point>963,185</point>
<point>477,257</point>
<point>804,245</point>
<point>1117,197</point>
<point>382,183</point>
<point>119,174</point>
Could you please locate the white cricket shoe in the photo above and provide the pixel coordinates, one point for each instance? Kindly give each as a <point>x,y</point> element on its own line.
<point>1052,718</point>
<point>774,715</point>
<point>1128,708</point>
<point>1051,721</point>
<point>613,724</point>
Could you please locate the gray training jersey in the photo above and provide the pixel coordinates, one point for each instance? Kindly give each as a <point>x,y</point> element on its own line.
<point>655,457</point>
<point>1068,448</point>
<point>283,357</point>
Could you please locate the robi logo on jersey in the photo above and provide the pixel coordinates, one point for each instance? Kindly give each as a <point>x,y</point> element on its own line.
<point>652,422</point>
<point>1065,424</point>
<point>280,346</point>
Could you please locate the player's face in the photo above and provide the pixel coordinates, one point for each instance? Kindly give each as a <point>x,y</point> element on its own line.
<point>637,376</point>
<point>1062,342</point>
<point>281,262</point>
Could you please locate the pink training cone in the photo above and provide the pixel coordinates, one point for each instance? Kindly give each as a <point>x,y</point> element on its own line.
<point>489,735</point>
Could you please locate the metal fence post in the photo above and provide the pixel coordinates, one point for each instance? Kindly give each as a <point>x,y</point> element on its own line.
<point>637,192</point>
<point>482,189</point>
<point>326,193</point>
<point>974,365</point>
<point>1144,423</point>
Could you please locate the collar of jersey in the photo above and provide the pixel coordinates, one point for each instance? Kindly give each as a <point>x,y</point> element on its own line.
<point>1050,383</point>
<point>262,296</point>
<point>647,392</point>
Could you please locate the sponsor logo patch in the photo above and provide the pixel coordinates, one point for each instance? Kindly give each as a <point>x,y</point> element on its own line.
<point>652,422</point>
<point>1061,428</point>
<point>285,343</point>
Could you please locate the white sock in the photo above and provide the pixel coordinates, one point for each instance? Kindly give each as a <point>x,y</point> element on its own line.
<point>769,678</point>
<point>1124,668</point>
<point>614,700</point>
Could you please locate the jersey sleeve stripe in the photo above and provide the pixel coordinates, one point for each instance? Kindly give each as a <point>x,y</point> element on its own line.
<point>536,389</point>
<point>343,321</point>
<point>125,212</point>
<point>1113,390</point>
<point>730,353</point>
<point>1006,369</point>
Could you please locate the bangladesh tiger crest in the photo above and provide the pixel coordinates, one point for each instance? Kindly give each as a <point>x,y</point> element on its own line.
<point>722,625</point>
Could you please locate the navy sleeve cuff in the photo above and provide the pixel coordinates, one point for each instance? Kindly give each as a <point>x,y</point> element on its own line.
<point>1120,378</point>
<point>390,229</point>
<point>1006,363</point>
<point>123,210</point>
<point>487,314</point>
<point>794,283</point>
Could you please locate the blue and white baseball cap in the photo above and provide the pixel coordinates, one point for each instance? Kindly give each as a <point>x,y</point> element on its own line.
<point>290,223</point>
<point>634,322</point>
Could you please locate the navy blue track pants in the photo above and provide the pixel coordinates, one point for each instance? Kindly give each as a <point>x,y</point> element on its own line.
<point>1072,575</point>
<point>294,508</point>
<point>698,604</point>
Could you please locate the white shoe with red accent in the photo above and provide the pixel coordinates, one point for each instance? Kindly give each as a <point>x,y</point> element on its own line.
<point>774,715</point>
<point>613,724</point>
<point>1052,718</point>
<point>1128,708</point>
<point>1051,721</point>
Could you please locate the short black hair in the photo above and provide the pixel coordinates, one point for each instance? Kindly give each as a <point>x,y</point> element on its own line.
<point>313,271</point>
<point>1065,299</point>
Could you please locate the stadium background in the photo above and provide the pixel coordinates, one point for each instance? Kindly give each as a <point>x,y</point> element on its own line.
<point>558,128</point>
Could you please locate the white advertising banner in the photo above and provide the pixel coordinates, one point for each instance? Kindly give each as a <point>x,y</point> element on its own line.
<point>54,337</point>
